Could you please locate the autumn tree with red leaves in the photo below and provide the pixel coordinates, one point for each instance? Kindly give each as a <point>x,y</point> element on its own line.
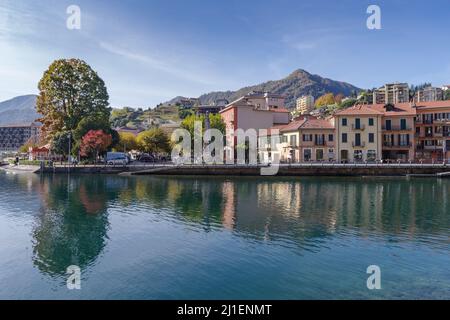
<point>94,143</point>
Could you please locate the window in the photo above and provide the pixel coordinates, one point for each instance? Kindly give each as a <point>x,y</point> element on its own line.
<point>344,138</point>
<point>388,124</point>
<point>403,124</point>
<point>330,154</point>
<point>320,139</point>
<point>371,155</point>
<point>357,123</point>
<point>284,138</point>
<point>293,141</point>
<point>330,137</point>
<point>344,122</point>
<point>307,137</point>
<point>307,155</point>
<point>357,139</point>
<point>371,122</point>
<point>319,154</point>
<point>371,138</point>
<point>403,140</point>
<point>358,155</point>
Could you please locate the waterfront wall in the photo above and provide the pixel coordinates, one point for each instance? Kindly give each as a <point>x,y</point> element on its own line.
<point>235,170</point>
<point>306,170</point>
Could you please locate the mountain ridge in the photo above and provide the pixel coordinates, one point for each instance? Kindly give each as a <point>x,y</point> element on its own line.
<point>19,110</point>
<point>299,82</point>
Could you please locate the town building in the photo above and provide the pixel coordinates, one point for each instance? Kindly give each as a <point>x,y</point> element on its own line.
<point>429,94</point>
<point>306,139</point>
<point>432,130</point>
<point>210,109</point>
<point>397,132</point>
<point>256,110</point>
<point>391,93</point>
<point>358,136</point>
<point>12,137</point>
<point>305,104</point>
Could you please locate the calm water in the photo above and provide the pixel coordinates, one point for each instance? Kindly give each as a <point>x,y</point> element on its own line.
<point>223,238</point>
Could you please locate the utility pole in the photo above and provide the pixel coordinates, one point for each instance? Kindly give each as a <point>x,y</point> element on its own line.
<point>70,147</point>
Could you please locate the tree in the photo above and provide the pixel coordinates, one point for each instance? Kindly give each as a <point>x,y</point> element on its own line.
<point>447,95</point>
<point>94,123</point>
<point>94,143</point>
<point>338,98</point>
<point>153,141</point>
<point>348,103</point>
<point>60,143</point>
<point>325,100</point>
<point>215,122</point>
<point>68,92</point>
<point>127,142</point>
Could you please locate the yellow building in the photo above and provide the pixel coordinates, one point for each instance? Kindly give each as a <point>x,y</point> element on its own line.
<point>358,134</point>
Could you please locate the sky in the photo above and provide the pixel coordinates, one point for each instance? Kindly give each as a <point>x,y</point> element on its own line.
<point>150,51</point>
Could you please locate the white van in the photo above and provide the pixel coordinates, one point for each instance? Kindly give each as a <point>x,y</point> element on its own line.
<point>116,158</point>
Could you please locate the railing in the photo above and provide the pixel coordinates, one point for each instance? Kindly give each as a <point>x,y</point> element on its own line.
<point>397,145</point>
<point>360,127</point>
<point>360,144</point>
<point>395,128</point>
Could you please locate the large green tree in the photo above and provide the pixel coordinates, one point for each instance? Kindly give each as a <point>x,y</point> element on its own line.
<point>215,122</point>
<point>68,92</point>
<point>154,140</point>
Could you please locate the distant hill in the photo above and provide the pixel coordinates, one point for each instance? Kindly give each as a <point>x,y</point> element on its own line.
<point>18,110</point>
<point>298,83</point>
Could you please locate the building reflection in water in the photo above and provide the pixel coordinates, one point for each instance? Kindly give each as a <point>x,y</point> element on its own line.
<point>73,220</point>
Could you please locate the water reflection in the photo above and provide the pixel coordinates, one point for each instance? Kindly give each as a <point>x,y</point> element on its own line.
<point>72,221</point>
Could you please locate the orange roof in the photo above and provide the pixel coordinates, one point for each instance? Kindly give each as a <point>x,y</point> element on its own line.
<point>400,109</point>
<point>358,110</point>
<point>303,122</point>
<point>433,104</point>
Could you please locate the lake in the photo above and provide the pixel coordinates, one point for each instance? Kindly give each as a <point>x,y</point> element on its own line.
<point>173,237</point>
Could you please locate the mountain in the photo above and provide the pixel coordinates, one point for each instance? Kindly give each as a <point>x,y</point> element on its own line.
<point>18,110</point>
<point>298,83</point>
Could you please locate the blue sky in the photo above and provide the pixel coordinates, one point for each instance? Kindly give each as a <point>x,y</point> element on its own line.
<point>150,51</point>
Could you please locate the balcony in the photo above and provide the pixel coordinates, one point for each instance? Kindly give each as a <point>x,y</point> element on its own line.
<point>358,144</point>
<point>395,128</point>
<point>390,145</point>
<point>320,143</point>
<point>361,127</point>
<point>442,121</point>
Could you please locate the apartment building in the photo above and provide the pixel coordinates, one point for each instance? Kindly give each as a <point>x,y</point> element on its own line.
<point>391,93</point>
<point>12,137</point>
<point>308,139</point>
<point>429,94</point>
<point>305,104</point>
<point>358,137</point>
<point>397,132</point>
<point>432,131</point>
<point>256,110</point>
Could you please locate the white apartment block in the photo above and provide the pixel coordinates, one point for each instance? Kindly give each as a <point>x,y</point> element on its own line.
<point>305,104</point>
<point>391,93</point>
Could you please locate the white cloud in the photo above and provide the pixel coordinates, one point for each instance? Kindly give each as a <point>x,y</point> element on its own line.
<point>157,63</point>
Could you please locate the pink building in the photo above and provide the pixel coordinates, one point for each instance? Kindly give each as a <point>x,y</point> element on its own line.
<point>256,110</point>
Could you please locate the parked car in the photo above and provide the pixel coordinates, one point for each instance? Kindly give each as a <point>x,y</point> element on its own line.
<point>116,158</point>
<point>146,158</point>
